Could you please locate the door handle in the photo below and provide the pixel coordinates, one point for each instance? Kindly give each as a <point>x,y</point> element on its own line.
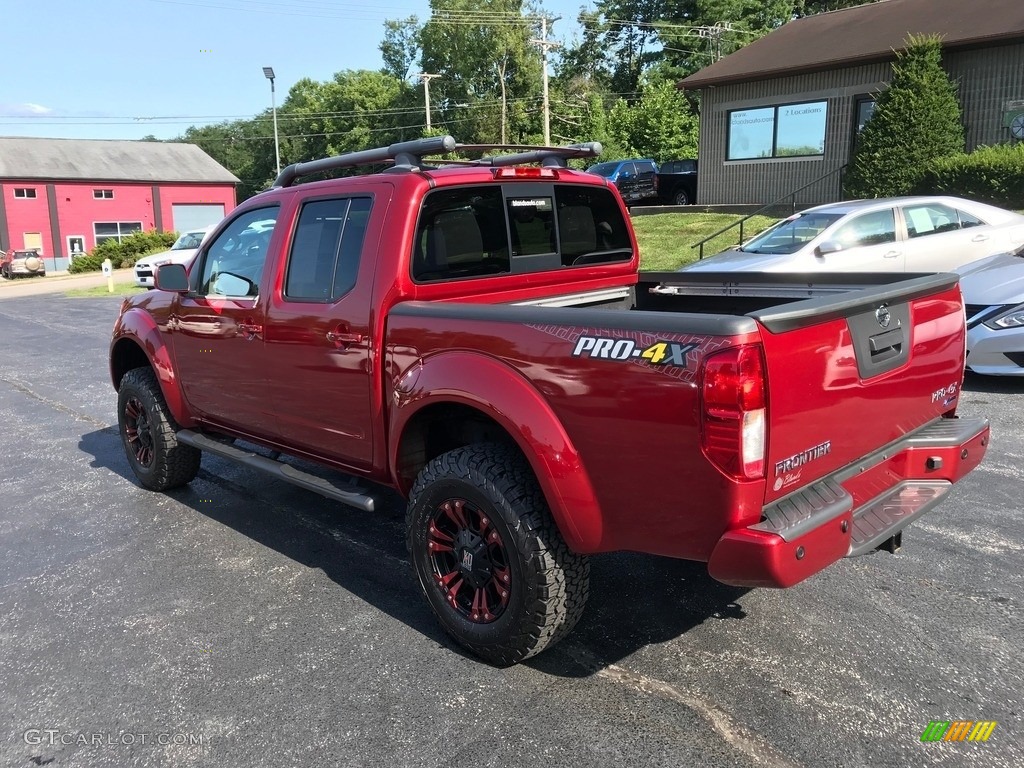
<point>250,330</point>
<point>892,254</point>
<point>341,337</point>
<point>979,238</point>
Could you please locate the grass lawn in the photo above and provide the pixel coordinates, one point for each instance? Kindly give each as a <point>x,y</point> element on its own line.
<point>665,238</point>
<point>120,289</point>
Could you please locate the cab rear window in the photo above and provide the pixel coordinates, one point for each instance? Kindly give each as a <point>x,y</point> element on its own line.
<point>517,228</point>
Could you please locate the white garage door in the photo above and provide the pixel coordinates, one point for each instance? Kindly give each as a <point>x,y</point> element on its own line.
<point>189,216</point>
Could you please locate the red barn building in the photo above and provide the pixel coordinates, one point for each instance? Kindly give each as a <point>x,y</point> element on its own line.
<point>64,196</point>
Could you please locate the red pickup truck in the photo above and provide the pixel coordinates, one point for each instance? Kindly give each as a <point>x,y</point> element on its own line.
<point>477,336</point>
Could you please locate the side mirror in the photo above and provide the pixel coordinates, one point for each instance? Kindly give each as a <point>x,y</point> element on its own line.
<point>827,247</point>
<point>171,277</point>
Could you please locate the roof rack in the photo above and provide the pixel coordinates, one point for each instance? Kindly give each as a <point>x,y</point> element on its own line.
<point>408,156</point>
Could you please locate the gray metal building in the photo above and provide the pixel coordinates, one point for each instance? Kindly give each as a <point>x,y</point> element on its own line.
<point>785,111</point>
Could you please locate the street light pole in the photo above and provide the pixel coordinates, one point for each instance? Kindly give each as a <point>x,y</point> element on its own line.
<point>268,72</point>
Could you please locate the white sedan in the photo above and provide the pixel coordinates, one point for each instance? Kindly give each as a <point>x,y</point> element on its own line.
<point>900,234</point>
<point>181,252</point>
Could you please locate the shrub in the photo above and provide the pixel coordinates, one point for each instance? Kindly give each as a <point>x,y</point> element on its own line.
<point>988,174</point>
<point>916,119</point>
<point>124,253</point>
<point>85,262</point>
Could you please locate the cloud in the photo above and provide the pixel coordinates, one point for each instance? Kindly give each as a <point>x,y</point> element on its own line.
<point>27,109</point>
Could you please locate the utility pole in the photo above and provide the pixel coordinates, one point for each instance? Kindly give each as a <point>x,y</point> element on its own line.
<point>714,36</point>
<point>426,94</point>
<point>545,46</point>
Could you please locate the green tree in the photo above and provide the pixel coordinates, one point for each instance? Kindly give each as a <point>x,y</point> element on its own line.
<point>400,47</point>
<point>659,125</point>
<point>487,68</point>
<point>916,119</point>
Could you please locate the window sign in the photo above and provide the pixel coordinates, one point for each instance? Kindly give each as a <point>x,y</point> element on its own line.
<point>790,130</point>
<point>801,130</point>
<point>750,133</point>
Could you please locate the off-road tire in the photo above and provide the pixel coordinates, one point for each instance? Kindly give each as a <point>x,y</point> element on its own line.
<point>170,464</point>
<point>549,583</point>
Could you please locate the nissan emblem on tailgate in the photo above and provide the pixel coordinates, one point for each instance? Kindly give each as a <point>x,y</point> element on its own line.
<point>882,316</point>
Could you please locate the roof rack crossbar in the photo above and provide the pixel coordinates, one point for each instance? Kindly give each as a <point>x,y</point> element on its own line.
<point>408,155</point>
<point>550,157</point>
<point>404,153</point>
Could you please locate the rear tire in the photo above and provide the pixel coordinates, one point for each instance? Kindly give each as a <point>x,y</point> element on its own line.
<point>488,556</point>
<point>148,433</point>
<point>681,198</point>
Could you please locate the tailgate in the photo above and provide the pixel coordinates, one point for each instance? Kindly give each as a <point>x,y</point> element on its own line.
<point>850,374</point>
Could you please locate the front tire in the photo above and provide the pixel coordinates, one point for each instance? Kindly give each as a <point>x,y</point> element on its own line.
<point>148,433</point>
<point>488,556</point>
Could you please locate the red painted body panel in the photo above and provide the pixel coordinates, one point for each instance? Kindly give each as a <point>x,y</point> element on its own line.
<point>817,395</point>
<point>144,326</point>
<point>501,392</point>
<point>632,426</point>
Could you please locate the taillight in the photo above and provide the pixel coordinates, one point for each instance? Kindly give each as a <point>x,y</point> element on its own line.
<point>734,411</point>
<point>525,172</point>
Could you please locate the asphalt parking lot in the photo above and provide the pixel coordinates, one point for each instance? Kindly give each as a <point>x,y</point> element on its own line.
<point>245,622</point>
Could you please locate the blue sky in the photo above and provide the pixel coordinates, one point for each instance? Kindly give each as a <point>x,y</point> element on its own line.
<point>122,69</point>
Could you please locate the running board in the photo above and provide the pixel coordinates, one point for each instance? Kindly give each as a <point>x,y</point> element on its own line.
<point>279,469</point>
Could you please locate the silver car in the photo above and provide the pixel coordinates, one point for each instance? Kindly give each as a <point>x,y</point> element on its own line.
<point>900,234</point>
<point>993,292</point>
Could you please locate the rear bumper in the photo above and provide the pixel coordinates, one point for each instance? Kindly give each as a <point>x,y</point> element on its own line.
<point>21,269</point>
<point>852,511</point>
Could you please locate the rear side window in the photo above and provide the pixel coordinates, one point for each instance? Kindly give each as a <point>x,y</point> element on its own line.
<point>968,220</point>
<point>517,228</point>
<point>930,219</point>
<point>325,251</point>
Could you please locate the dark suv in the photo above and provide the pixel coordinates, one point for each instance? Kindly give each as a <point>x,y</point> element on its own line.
<point>636,179</point>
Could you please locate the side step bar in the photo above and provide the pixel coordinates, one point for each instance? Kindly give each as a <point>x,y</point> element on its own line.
<point>279,469</point>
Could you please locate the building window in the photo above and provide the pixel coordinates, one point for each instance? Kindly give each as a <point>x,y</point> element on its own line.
<point>863,109</point>
<point>788,130</point>
<point>34,242</point>
<point>115,230</point>
<point>24,193</point>
<point>103,194</point>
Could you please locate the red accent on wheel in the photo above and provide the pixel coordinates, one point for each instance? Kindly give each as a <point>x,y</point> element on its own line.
<point>469,561</point>
<point>138,431</point>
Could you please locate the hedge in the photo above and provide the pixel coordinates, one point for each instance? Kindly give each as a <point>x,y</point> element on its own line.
<point>988,174</point>
<point>124,253</point>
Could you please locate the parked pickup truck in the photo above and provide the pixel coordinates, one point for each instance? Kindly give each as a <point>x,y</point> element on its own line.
<point>478,337</point>
<point>677,182</point>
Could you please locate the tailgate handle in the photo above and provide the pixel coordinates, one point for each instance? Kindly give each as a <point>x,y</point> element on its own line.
<point>885,345</point>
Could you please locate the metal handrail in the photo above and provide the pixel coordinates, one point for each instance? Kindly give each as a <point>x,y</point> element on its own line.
<point>791,195</point>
